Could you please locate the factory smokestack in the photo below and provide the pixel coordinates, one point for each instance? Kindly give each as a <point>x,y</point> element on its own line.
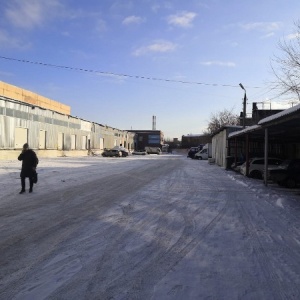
<point>154,123</point>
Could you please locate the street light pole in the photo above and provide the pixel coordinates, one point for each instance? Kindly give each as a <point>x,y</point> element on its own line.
<point>244,105</point>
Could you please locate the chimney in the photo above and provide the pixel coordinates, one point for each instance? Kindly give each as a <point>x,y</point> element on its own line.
<point>254,106</point>
<point>154,123</point>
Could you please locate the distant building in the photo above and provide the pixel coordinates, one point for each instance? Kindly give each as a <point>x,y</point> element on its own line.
<point>259,114</point>
<point>194,140</point>
<point>147,138</point>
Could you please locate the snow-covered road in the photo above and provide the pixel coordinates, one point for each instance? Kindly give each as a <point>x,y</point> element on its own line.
<point>153,227</point>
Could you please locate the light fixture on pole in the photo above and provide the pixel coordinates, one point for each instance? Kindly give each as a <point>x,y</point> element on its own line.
<point>244,105</point>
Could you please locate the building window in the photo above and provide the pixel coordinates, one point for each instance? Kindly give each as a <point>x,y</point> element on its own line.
<point>154,139</point>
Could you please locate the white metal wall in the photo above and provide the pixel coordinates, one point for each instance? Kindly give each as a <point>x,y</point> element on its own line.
<point>219,147</point>
<point>44,129</point>
<point>20,137</point>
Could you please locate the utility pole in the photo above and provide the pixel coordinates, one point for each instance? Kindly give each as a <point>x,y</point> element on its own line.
<point>244,105</point>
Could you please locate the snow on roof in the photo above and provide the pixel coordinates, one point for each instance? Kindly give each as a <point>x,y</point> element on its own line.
<point>224,127</point>
<point>280,114</point>
<point>193,135</point>
<point>247,129</point>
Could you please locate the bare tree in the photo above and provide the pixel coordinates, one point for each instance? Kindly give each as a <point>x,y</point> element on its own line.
<point>220,119</point>
<point>287,72</point>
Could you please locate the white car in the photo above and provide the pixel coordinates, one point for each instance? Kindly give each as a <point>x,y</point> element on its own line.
<point>123,150</point>
<point>257,165</point>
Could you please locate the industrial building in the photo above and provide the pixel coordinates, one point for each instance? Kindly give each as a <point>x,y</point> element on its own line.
<point>48,127</point>
<point>147,138</point>
<point>194,140</point>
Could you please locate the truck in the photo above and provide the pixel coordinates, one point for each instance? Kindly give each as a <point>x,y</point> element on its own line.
<point>205,153</point>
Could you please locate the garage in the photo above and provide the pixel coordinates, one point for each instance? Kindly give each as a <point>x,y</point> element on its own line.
<point>277,136</point>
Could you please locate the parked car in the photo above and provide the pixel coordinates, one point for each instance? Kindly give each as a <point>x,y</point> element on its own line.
<point>139,152</point>
<point>192,152</point>
<point>287,174</point>
<point>111,153</point>
<point>257,165</point>
<point>237,166</point>
<point>123,150</point>
<point>153,150</point>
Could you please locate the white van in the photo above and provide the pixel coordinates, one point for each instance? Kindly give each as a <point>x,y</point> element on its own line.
<point>205,153</point>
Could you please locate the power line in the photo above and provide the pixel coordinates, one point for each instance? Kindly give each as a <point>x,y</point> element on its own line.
<point>119,75</point>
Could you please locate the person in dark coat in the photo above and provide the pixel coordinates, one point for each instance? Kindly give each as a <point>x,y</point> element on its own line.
<point>29,162</point>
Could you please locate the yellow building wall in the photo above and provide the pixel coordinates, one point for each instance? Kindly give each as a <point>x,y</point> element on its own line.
<point>14,92</point>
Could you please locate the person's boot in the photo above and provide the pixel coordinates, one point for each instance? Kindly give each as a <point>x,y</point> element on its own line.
<point>30,190</point>
<point>22,191</point>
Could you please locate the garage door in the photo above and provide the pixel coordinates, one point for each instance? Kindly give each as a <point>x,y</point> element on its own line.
<point>42,139</point>
<point>20,137</point>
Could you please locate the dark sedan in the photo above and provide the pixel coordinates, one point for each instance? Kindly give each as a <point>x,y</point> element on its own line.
<point>111,153</point>
<point>124,151</point>
<point>286,174</point>
<point>193,151</point>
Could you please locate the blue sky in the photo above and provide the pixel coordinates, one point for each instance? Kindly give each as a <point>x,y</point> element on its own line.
<point>178,60</point>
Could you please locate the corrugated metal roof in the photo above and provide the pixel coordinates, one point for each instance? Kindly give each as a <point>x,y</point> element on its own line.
<point>246,130</point>
<point>194,135</point>
<point>224,127</point>
<point>262,122</point>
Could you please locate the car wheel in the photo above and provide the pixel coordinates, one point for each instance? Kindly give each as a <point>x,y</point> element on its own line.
<point>290,183</point>
<point>256,174</point>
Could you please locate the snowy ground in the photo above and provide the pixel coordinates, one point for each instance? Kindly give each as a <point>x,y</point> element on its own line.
<point>146,227</point>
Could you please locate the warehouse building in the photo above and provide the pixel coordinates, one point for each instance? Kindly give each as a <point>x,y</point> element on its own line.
<point>48,127</point>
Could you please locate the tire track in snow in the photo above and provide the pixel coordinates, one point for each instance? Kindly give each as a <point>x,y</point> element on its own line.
<point>277,230</point>
<point>66,215</point>
<point>107,271</point>
<point>137,284</point>
<point>103,268</point>
<point>155,271</point>
<point>162,209</point>
<point>264,259</point>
